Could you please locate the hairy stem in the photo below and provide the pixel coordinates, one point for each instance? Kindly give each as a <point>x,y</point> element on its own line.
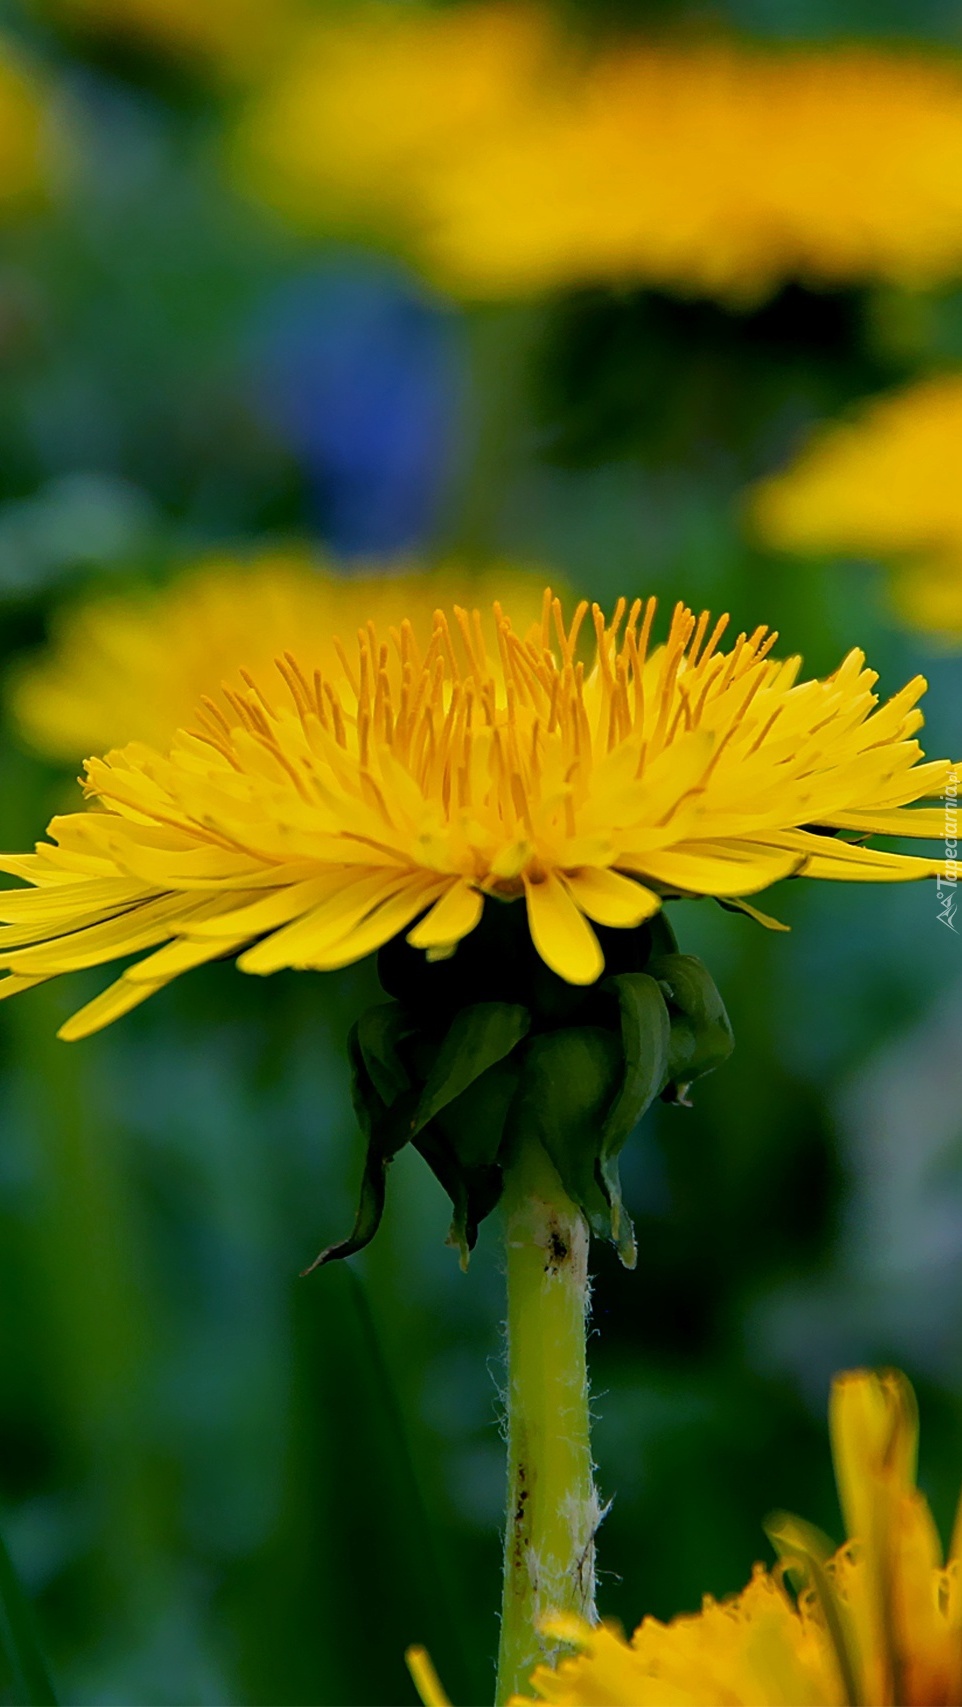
<point>552,1507</point>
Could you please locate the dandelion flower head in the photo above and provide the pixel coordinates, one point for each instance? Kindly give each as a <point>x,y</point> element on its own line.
<point>876,1623</point>
<point>306,820</point>
<point>883,484</point>
<point>514,158</point>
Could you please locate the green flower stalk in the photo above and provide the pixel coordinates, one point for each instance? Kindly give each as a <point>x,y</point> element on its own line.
<point>553,1512</point>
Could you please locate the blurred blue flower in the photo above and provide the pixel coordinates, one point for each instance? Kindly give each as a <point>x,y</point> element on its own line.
<point>362,376</point>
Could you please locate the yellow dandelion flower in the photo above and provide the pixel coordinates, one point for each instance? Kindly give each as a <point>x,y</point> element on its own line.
<point>878,1622</point>
<point>514,159</point>
<point>375,97</point>
<point>305,822</point>
<point>883,484</point>
<point>884,481</point>
<point>133,666</point>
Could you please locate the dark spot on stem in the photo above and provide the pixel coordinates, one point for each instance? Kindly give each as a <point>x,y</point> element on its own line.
<point>558,1251</point>
<point>519,1526</point>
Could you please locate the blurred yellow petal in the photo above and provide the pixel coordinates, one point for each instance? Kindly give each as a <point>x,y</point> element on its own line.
<point>425,1678</point>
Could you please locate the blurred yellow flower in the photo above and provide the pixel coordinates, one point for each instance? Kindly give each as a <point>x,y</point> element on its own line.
<point>305,823</point>
<point>877,1623</point>
<point>133,666</point>
<point>885,483</point>
<point>928,595</point>
<point>22,118</point>
<point>514,158</point>
<point>226,37</point>
<point>376,99</point>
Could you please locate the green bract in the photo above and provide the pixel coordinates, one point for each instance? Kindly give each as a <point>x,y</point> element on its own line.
<point>474,1050</point>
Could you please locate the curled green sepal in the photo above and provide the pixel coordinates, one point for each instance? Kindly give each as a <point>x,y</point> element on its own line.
<point>584,1090</point>
<point>461,1112</point>
<point>480,1035</point>
<point>645,1042</point>
<point>384,1104</point>
<point>701,1032</point>
<point>448,1094</point>
<point>570,1080</point>
<point>462,1145</point>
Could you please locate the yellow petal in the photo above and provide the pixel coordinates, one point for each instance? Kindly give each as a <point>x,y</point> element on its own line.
<point>64,903</point>
<point>111,1004</point>
<point>139,982</point>
<point>925,821</point>
<point>453,917</point>
<point>270,911</point>
<point>297,944</point>
<point>718,868</point>
<point>609,898</point>
<point>561,933</point>
<point>843,862</point>
<point>177,957</point>
<point>138,928</point>
<point>13,984</point>
<point>874,1427</point>
<point>425,1678</point>
<point>378,927</point>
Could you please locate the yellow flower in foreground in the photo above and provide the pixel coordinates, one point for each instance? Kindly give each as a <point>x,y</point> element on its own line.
<point>310,818</point>
<point>514,158</point>
<point>133,666</point>
<point>885,483</point>
<point>875,1624</point>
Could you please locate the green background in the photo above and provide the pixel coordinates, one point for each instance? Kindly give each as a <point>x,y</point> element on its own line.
<point>219,1482</point>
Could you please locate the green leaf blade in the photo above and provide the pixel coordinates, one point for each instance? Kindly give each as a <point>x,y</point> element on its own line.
<point>18,1637</point>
